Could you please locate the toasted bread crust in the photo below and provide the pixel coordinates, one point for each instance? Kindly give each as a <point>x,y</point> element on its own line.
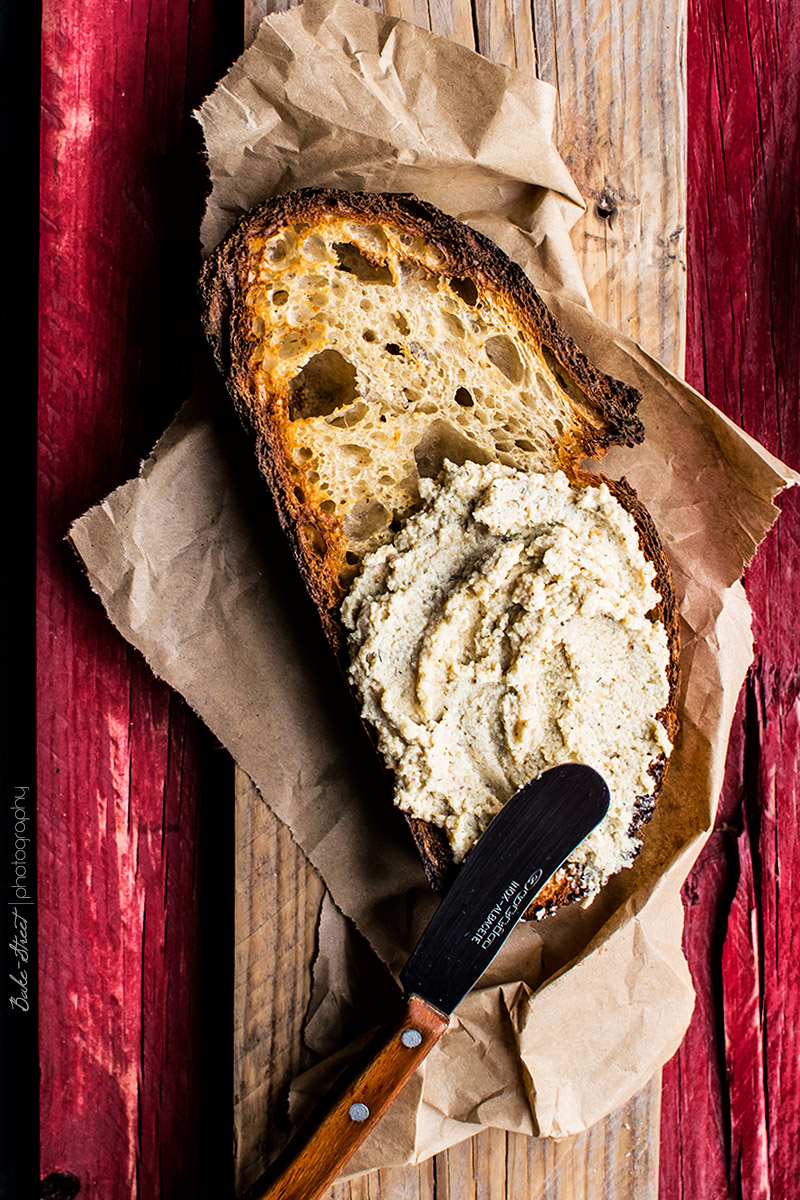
<point>318,540</point>
<point>465,254</point>
<point>604,408</point>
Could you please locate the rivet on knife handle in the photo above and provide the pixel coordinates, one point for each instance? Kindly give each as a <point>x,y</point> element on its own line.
<point>327,1143</point>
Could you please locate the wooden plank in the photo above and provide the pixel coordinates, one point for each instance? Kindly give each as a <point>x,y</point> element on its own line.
<point>633,261</point>
<point>278,895</point>
<point>621,131</point>
<point>720,1123</point>
<point>20,53</point>
<point>122,1009</point>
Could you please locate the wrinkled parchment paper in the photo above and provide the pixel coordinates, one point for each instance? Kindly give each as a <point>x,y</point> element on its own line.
<point>578,1011</point>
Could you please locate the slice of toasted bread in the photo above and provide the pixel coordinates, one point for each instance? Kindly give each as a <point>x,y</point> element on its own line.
<point>366,339</point>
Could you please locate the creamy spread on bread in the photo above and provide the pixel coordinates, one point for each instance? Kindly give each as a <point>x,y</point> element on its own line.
<point>506,628</point>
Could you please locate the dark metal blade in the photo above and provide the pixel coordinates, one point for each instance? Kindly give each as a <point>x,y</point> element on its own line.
<point>524,845</point>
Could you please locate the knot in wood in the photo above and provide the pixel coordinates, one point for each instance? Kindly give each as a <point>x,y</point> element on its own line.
<point>607,205</point>
<point>60,1185</point>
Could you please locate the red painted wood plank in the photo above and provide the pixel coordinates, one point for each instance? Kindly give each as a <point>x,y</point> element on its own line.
<point>742,1010</point>
<point>731,1105</point>
<point>120,859</point>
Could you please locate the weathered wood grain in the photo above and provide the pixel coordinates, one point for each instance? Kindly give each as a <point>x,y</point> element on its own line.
<point>639,283</point>
<point>278,895</point>
<point>618,68</point>
<point>119,793</point>
<point>743,351</point>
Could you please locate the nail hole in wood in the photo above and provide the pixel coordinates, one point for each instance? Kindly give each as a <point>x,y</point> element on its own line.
<point>607,207</point>
<point>60,1185</point>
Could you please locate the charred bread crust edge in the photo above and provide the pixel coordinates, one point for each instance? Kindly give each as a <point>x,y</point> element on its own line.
<point>317,539</point>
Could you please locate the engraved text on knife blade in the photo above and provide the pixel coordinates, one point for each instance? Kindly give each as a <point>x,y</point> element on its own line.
<point>505,912</point>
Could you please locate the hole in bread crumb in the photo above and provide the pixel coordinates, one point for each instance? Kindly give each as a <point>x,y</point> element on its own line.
<point>313,476</point>
<point>281,248</point>
<point>366,305</point>
<point>392,348</point>
<point>328,506</point>
<point>314,248</point>
<point>325,383</point>
<point>371,237</point>
<point>302,454</point>
<point>543,384</point>
<point>464,398</point>
<point>349,418</point>
<point>369,335</point>
<point>396,525</point>
<point>441,441</point>
<point>365,518</point>
<point>291,344</point>
<point>312,539</point>
<point>352,450</point>
<point>578,398</point>
<point>411,395</point>
<point>300,495</point>
<point>401,323</point>
<point>346,577</point>
<point>524,444</point>
<point>503,354</point>
<point>355,263</point>
<point>386,481</point>
<point>452,324</point>
<point>466,289</point>
<point>351,558</point>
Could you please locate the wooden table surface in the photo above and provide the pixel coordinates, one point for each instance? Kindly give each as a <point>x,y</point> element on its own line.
<point>142,824</point>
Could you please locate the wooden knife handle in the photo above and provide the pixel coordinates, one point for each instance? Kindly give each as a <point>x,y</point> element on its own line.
<point>320,1150</point>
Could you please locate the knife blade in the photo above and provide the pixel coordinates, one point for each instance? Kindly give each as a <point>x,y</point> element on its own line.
<point>524,845</point>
